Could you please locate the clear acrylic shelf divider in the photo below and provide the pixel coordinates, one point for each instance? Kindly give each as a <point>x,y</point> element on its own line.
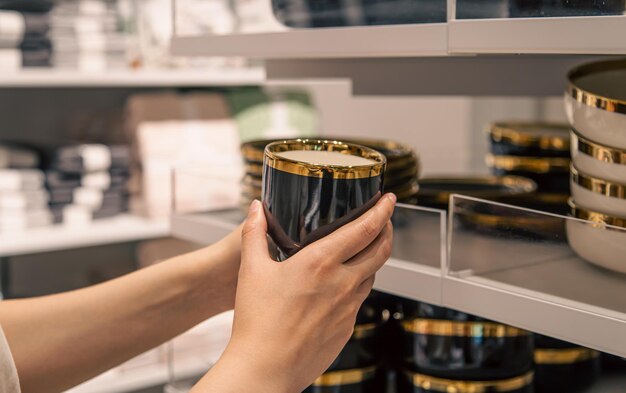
<point>519,266</point>
<point>418,256</point>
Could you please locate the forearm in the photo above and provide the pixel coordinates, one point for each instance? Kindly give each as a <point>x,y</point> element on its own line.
<point>61,340</point>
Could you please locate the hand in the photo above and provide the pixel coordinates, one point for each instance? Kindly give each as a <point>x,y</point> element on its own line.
<point>293,318</point>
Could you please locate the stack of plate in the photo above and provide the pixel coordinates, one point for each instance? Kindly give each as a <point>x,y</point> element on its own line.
<point>595,102</point>
<point>450,351</point>
<point>539,151</point>
<point>400,176</point>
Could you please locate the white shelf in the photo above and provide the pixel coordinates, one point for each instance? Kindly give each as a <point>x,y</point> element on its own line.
<point>128,78</point>
<point>124,228</point>
<point>369,41</point>
<point>571,35</point>
<point>561,296</point>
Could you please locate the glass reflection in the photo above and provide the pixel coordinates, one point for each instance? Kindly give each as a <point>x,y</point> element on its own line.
<point>337,13</point>
<point>484,9</point>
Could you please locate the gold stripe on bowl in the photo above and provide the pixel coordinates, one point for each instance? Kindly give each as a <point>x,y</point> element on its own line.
<point>592,99</point>
<point>520,134</point>
<point>363,331</point>
<point>314,170</point>
<point>438,327</point>
<point>452,386</point>
<point>599,152</point>
<point>345,377</point>
<point>511,186</point>
<point>528,164</point>
<point>564,355</point>
<point>599,186</point>
<point>595,217</point>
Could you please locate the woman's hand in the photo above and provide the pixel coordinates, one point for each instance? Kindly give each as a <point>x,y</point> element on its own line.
<point>293,318</point>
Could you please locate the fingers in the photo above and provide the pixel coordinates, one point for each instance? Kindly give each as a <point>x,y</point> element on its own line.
<point>253,235</point>
<point>352,238</point>
<point>373,257</point>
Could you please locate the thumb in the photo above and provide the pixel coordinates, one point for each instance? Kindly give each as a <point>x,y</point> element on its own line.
<point>254,235</point>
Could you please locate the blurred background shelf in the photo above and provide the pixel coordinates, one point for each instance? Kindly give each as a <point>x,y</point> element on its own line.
<point>34,78</point>
<point>124,228</point>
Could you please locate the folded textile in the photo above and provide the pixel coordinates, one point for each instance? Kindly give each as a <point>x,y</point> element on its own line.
<point>90,198</point>
<point>23,220</point>
<point>10,59</point>
<point>17,157</point>
<point>91,158</point>
<point>76,215</point>
<point>36,24</point>
<point>12,29</point>
<point>21,179</point>
<point>23,200</point>
<point>101,180</point>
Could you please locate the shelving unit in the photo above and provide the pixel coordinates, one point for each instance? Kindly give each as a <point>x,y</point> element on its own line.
<point>125,228</point>
<point>533,295</point>
<point>39,78</point>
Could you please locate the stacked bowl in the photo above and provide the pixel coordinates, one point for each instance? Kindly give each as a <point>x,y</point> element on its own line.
<point>401,173</point>
<point>595,103</point>
<point>536,150</point>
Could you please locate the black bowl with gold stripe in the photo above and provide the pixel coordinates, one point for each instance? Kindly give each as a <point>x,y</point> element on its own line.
<point>564,367</point>
<point>411,382</point>
<point>531,139</point>
<point>363,380</point>
<point>467,350</point>
<point>361,350</point>
<point>550,173</point>
<point>305,201</point>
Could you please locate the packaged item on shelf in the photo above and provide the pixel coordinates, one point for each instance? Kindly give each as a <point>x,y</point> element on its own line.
<point>436,192</point>
<point>27,5</point>
<point>564,367</point>
<point>75,214</point>
<point>341,181</point>
<point>99,180</point>
<point>364,380</point>
<point>530,139</point>
<point>595,102</point>
<point>600,242</point>
<point>25,219</point>
<point>413,382</point>
<point>36,52</point>
<point>92,198</point>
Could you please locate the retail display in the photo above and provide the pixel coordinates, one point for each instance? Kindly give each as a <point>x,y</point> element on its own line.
<point>365,380</point>
<point>88,182</point>
<point>564,367</point>
<point>597,160</point>
<point>550,173</point>
<point>412,382</point>
<point>312,187</point>
<point>24,38</point>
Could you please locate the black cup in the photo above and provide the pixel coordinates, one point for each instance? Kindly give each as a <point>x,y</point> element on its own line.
<point>305,201</point>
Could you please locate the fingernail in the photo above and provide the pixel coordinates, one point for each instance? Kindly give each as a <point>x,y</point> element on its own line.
<point>392,197</point>
<point>254,207</point>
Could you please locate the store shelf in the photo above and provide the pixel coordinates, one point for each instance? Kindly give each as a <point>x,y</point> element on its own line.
<point>495,277</point>
<point>128,78</point>
<point>123,228</point>
<point>571,35</point>
<point>369,41</point>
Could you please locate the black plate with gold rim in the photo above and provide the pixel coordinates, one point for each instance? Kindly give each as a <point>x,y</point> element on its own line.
<point>531,139</point>
<point>362,350</point>
<point>466,350</point>
<point>305,201</point>
<point>435,192</point>
<point>364,380</point>
<point>410,382</point>
<point>564,367</point>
